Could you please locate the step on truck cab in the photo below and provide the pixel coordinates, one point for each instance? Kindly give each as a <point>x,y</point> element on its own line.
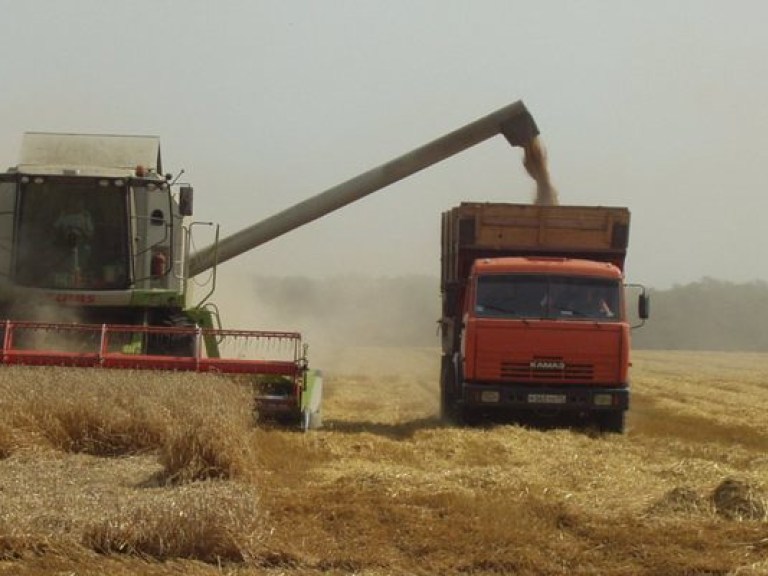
<point>534,318</point>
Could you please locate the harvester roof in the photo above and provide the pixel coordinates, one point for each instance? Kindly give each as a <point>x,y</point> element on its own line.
<point>88,154</point>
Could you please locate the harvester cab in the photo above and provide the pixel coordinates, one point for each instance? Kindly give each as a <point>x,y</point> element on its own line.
<point>91,224</point>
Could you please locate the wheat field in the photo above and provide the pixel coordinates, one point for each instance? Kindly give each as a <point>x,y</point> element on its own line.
<point>109,472</point>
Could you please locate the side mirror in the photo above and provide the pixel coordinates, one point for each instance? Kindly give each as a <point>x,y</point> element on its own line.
<point>644,306</point>
<point>185,200</point>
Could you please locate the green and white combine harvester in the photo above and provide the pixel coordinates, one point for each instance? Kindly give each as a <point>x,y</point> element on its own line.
<point>95,262</point>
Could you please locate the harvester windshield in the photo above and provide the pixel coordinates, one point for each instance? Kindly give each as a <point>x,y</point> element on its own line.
<point>72,234</point>
<point>547,297</point>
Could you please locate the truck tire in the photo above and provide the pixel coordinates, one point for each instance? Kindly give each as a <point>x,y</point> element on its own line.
<point>613,422</point>
<point>468,416</point>
<point>448,407</point>
<point>452,410</point>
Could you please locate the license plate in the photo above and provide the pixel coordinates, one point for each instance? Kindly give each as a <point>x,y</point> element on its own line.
<point>546,398</point>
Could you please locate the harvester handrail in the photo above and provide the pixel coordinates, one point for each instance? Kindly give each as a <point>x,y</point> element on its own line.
<point>135,328</point>
<point>101,355</point>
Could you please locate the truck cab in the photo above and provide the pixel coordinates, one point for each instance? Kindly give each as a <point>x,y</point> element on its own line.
<point>549,332</point>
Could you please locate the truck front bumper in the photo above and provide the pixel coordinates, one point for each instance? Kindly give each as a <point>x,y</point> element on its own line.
<point>562,398</point>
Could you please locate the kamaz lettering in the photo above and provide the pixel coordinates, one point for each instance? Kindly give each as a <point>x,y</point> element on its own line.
<point>547,365</point>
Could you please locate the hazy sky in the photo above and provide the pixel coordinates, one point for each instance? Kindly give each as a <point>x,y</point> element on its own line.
<point>659,106</point>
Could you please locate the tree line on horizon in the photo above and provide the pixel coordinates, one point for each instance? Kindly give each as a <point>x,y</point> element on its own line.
<point>708,314</point>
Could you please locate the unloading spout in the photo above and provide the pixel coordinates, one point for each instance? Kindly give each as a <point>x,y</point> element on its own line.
<point>513,121</point>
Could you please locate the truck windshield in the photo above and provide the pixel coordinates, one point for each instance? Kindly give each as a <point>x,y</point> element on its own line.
<point>547,297</point>
<point>72,234</point>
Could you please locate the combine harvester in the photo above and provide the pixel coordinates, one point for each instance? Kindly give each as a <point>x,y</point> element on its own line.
<point>95,260</point>
<point>94,252</point>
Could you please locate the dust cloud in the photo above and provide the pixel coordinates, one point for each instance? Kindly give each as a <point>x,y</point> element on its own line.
<point>46,312</point>
<point>334,314</point>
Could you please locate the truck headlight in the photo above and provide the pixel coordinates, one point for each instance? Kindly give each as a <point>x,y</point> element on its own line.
<point>490,396</point>
<point>602,399</point>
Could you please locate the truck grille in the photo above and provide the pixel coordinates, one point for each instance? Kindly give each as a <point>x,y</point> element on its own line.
<point>526,371</point>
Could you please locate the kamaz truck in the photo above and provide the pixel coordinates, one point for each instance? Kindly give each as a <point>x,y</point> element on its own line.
<point>534,319</point>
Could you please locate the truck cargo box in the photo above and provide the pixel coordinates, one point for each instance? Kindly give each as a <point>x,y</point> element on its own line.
<point>491,230</point>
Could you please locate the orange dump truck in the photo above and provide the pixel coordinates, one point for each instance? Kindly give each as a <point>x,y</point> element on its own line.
<point>534,320</point>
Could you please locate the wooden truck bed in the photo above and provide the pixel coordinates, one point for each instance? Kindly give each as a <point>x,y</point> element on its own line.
<point>485,230</point>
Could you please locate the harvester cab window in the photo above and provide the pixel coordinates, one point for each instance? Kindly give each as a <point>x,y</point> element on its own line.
<point>74,224</point>
<point>72,235</point>
<point>546,297</point>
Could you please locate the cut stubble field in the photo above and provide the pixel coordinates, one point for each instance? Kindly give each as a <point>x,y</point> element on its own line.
<point>130,472</point>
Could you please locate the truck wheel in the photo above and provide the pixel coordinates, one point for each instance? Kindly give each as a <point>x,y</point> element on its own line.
<point>466,416</point>
<point>448,408</point>
<point>613,422</point>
